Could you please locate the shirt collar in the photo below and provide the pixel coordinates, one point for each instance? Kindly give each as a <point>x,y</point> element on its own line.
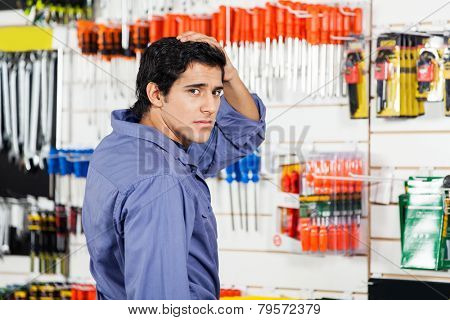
<point>125,122</point>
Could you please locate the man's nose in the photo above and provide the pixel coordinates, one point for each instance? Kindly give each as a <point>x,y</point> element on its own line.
<point>209,105</point>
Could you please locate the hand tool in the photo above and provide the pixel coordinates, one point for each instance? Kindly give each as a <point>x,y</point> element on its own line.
<point>258,40</point>
<point>324,40</point>
<point>34,226</point>
<point>26,114</point>
<point>6,102</point>
<point>1,107</point>
<point>281,35</point>
<point>229,178</point>
<point>352,77</point>
<point>44,93</point>
<point>323,235</point>
<point>446,58</point>
<point>332,236</point>
<point>242,48</point>
<point>339,30</point>
<point>345,33</point>
<point>238,179</point>
<point>256,168</point>
<point>314,234</point>
<point>297,48</point>
<point>244,170</point>
<point>331,58</point>
<point>237,40</point>
<point>62,238</point>
<point>305,233</point>
<point>270,43</point>
<point>14,153</point>
<point>33,159</point>
<point>47,135</point>
<point>21,97</point>
<point>73,215</point>
<point>288,22</point>
<point>313,52</point>
<point>304,47</point>
<point>247,38</point>
<point>221,26</point>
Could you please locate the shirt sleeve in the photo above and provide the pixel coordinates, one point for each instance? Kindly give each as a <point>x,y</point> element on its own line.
<point>234,136</point>
<point>156,242</point>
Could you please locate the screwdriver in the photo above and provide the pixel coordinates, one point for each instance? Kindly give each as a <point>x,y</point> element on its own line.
<point>314,235</point>
<point>323,236</point>
<point>305,234</point>
<point>254,165</point>
<point>324,40</point>
<point>238,179</point>
<point>243,167</point>
<point>331,52</point>
<point>297,48</point>
<point>229,171</point>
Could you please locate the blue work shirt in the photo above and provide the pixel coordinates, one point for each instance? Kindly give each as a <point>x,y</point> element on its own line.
<point>147,217</point>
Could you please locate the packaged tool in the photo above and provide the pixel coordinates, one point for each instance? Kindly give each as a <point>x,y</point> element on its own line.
<point>330,203</point>
<point>424,212</point>
<point>446,75</point>
<point>387,66</point>
<point>395,74</point>
<point>356,78</point>
<point>430,71</point>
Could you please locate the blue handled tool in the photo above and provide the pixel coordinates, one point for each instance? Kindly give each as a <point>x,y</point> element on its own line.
<point>254,165</point>
<point>243,168</point>
<point>229,171</point>
<point>238,179</point>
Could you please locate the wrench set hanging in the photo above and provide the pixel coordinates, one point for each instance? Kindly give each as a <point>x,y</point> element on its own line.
<point>27,108</point>
<point>409,71</point>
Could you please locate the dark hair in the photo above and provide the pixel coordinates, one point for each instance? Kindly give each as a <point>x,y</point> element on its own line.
<point>163,62</point>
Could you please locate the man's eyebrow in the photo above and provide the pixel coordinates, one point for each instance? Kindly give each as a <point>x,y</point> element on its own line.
<point>202,85</point>
<point>196,85</point>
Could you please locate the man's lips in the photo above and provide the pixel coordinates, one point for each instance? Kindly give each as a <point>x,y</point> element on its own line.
<point>204,122</point>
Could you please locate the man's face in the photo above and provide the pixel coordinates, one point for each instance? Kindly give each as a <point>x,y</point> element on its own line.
<point>191,106</point>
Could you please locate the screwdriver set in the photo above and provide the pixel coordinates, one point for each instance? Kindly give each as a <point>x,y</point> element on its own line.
<point>49,291</point>
<point>284,44</point>
<point>409,71</point>
<point>330,202</point>
<point>242,172</point>
<point>69,161</point>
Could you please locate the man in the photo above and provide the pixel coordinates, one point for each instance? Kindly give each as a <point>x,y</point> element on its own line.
<point>147,215</point>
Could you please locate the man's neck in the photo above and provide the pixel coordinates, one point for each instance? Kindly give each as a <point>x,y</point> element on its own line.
<point>154,119</point>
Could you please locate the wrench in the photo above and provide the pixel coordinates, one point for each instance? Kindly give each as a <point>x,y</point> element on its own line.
<point>21,96</point>
<point>35,92</point>
<point>14,153</point>
<point>1,110</point>
<point>6,105</point>
<point>49,113</point>
<point>26,114</point>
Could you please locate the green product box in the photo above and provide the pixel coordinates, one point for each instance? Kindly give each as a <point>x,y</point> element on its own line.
<point>424,225</point>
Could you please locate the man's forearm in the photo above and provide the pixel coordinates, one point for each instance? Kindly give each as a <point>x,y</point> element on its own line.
<point>238,96</point>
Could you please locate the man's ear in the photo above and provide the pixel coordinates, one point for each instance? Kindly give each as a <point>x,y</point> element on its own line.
<point>154,95</point>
